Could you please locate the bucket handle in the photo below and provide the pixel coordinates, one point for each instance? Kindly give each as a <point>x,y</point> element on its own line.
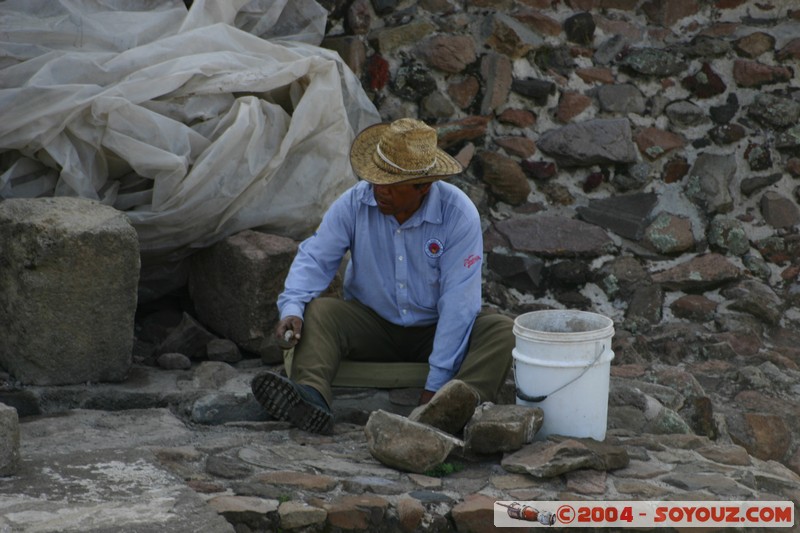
<point>536,399</point>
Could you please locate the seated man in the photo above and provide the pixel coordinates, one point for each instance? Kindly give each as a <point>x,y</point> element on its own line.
<point>412,288</point>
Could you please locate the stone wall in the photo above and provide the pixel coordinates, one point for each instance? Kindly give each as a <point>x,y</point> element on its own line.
<point>671,125</point>
<point>637,158</point>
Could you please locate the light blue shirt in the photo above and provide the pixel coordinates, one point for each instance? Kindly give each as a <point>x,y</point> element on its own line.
<point>422,272</point>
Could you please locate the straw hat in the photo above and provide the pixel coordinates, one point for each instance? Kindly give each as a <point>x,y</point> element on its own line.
<point>403,151</point>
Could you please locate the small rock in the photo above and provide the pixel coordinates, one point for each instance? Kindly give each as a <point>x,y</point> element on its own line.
<point>501,428</point>
<point>694,307</point>
<point>653,62</point>
<point>754,44</point>
<point>189,338</point>
<point>596,141</point>
<point>790,51</point>
<point>580,28</point>
<point>654,142</point>
<point>553,236</point>
<point>412,81</point>
<point>174,361</point>
<point>9,441</point>
<point>701,273</point>
<point>774,111</point>
<point>537,90</point>
<point>595,74</point>
<point>540,170</point>
<point>496,71</point>
<point>722,114</point>
<point>518,146</point>
<point>727,134</point>
<point>538,21</point>
<point>758,157</point>
<point>450,408</point>
<point>464,92</point>
<point>685,114</point>
<point>358,17</point>
<point>779,211</point>
<point>753,74</point>
<point>571,105</point>
<point>521,271</point>
<point>728,235</point>
<point>625,215</point>
<point>448,53</point>
<point>295,515</point>
<point>406,445</point>
<point>550,459</point>
<point>466,129</point>
<point>363,512</point>
<point>521,118</point>
<point>505,178</point>
<point>667,12</point>
<point>669,234</point>
<point>510,37</point>
<point>756,298</point>
<point>706,83</point>
<point>755,183</point>
<point>709,179</point>
<point>623,98</point>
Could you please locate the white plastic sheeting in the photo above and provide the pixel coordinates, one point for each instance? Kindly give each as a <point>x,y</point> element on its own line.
<point>197,123</point>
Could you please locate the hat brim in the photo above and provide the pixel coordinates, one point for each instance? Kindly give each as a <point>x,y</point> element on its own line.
<point>361,159</point>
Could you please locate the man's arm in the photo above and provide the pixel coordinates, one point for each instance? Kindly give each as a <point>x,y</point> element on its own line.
<point>316,263</point>
<point>459,300</point>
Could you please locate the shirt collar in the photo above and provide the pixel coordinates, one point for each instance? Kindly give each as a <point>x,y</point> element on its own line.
<point>430,210</point>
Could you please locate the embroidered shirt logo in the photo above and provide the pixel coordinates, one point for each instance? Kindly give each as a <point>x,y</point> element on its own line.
<point>434,248</point>
<point>471,260</point>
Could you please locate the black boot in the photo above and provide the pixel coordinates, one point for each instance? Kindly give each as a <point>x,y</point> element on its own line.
<point>301,405</point>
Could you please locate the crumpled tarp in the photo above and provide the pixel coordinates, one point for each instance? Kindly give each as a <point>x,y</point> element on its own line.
<point>197,123</point>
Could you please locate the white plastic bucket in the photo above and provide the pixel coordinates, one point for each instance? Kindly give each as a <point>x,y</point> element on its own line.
<point>562,363</point>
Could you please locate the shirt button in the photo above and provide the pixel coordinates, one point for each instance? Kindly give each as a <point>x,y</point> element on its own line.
<point>398,232</point>
<point>400,258</point>
<point>405,311</point>
<point>401,285</point>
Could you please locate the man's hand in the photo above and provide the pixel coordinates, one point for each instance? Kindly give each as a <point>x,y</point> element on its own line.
<point>288,330</point>
<point>425,397</point>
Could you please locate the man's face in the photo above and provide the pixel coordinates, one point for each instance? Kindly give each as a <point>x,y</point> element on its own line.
<point>400,200</point>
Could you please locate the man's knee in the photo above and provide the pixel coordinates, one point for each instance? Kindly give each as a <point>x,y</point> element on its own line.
<point>496,328</point>
<point>321,309</point>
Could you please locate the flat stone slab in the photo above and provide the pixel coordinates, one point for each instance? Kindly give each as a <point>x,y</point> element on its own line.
<point>91,471</point>
<point>553,236</point>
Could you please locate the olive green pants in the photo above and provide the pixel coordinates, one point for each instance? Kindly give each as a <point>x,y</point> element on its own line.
<point>335,329</point>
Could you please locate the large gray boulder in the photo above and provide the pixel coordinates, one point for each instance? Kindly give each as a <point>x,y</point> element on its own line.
<point>69,271</point>
<point>9,440</point>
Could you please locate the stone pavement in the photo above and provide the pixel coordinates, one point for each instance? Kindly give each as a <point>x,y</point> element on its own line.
<point>190,451</point>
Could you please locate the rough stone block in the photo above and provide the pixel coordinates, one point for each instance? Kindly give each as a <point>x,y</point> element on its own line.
<point>502,428</point>
<point>69,271</point>
<point>9,440</point>
<point>234,286</point>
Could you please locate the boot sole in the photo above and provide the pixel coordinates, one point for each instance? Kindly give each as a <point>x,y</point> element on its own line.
<point>282,401</point>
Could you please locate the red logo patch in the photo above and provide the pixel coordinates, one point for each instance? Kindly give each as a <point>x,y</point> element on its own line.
<point>471,260</point>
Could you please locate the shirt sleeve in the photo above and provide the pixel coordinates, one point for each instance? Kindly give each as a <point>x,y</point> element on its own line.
<point>318,258</point>
<point>459,300</point>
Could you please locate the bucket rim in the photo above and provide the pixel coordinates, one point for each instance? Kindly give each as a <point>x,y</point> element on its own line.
<point>527,333</point>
